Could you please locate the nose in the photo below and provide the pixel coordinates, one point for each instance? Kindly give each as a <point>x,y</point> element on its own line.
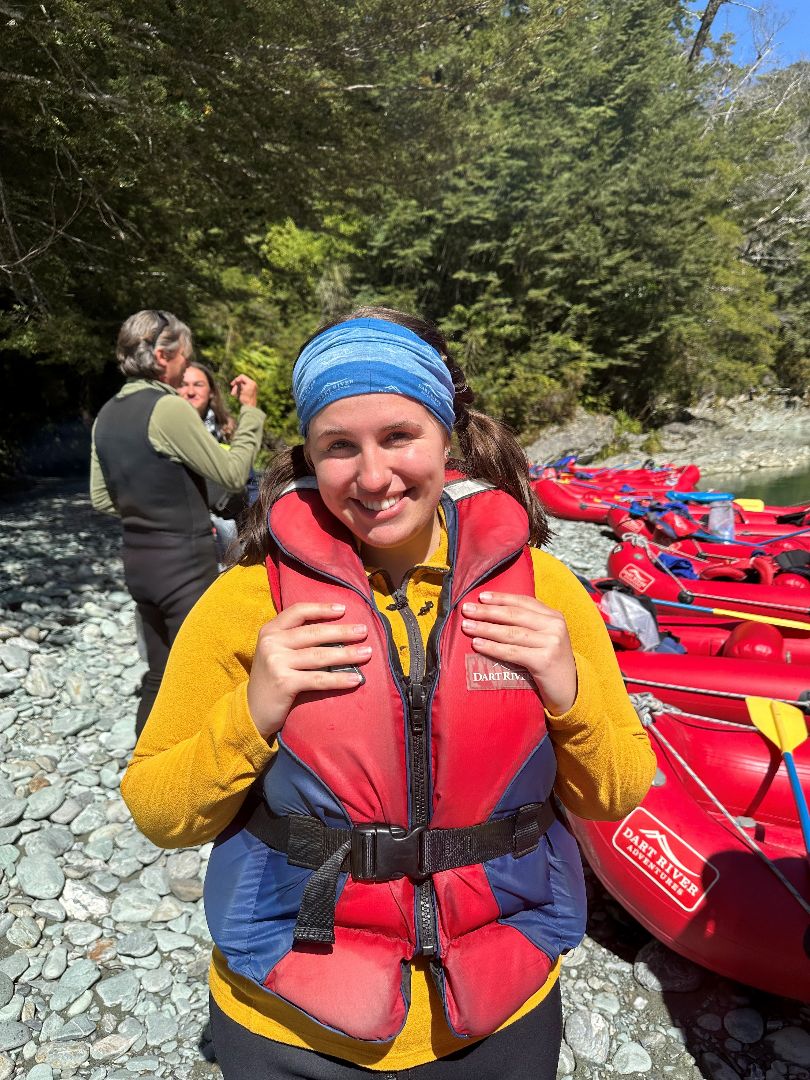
<point>374,474</point>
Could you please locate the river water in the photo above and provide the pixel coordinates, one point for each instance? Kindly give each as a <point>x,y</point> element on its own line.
<point>781,489</point>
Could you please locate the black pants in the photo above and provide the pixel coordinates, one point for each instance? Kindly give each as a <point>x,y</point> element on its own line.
<point>527,1050</point>
<point>165,581</point>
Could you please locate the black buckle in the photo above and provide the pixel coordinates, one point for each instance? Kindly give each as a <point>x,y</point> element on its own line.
<point>386,852</point>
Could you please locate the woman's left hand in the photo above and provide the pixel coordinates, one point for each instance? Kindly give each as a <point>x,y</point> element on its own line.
<point>520,630</point>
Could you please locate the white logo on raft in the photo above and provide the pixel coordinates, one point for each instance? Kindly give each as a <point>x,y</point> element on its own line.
<point>667,860</point>
<point>486,674</point>
<point>636,578</point>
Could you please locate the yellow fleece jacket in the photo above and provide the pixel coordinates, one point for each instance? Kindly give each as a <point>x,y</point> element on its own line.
<point>200,752</point>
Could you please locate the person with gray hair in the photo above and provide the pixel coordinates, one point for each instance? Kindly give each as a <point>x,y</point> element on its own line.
<point>150,460</point>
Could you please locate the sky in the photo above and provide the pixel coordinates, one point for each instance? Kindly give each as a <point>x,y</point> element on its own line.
<point>793,39</point>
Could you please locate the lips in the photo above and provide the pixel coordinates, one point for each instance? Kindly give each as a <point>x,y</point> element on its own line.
<point>380,506</point>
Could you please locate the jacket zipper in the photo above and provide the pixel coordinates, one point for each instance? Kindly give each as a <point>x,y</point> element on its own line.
<point>418,761</point>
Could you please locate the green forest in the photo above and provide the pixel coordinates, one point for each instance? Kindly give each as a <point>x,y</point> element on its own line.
<point>595,201</point>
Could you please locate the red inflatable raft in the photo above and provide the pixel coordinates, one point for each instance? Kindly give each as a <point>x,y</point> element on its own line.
<point>686,869</point>
<point>633,566</point>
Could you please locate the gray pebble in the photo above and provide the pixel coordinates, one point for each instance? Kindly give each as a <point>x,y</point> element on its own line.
<point>159,1029</point>
<point>792,1044</point>
<point>141,942</point>
<point>64,1055</point>
<point>40,1072</point>
<point>744,1025</point>
<point>119,990</point>
<point>14,658</point>
<point>24,933</point>
<point>588,1036</point>
<point>134,906</point>
<point>79,977</point>
<point>13,1035</point>
<point>42,803</point>
<point>39,683</point>
<point>11,810</point>
<point>6,990</point>
<point>81,901</point>
<point>40,876</point>
<point>14,965</point>
<point>55,963</point>
<point>631,1058</point>
<point>717,1068</point>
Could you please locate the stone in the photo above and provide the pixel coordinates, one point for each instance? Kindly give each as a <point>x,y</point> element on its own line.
<point>40,876</point>
<point>718,1069</point>
<point>566,1063</point>
<point>159,1029</point>
<point>6,989</point>
<point>14,657</point>
<point>79,977</point>
<point>141,942</point>
<point>119,990</point>
<point>187,889</point>
<point>155,982</point>
<point>51,910</point>
<point>40,1072</point>
<point>607,1003</point>
<point>111,1047</point>
<point>14,965</point>
<point>745,1025</point>
<point>38,683</point>
<point>24,933</point>
<point>13,1035</point>
<point>631,1058</point>
<point>80,901</point>
<point>134,906</point>
<point>791,1044</point>
<point>658,968</point>
<point>43,803</point>
<point>8,684</point>
<point>11,810</point>
<point>588,1035</point>
<point>64,1055</point>
<point>55,963</point>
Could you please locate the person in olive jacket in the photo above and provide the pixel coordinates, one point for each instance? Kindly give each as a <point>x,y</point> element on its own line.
<point>150,460</point>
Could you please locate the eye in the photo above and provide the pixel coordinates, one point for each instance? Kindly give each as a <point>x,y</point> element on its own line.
<point>399,436</point>
<point>338,446</point>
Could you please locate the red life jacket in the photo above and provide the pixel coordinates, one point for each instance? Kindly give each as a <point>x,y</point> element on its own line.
<point>460,742</point>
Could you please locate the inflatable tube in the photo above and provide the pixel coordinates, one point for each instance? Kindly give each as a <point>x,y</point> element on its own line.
<point>684,872</point>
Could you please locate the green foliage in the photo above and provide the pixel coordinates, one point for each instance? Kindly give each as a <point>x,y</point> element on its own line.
<point>591,217</point>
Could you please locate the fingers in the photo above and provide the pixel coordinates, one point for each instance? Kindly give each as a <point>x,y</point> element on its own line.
<point>512,609</point>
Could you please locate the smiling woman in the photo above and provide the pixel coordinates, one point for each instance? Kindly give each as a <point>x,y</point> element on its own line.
<point>399,685</point>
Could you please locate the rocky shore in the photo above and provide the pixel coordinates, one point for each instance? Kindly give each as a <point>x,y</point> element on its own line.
<point>769,431</point>
<point>103,942</point>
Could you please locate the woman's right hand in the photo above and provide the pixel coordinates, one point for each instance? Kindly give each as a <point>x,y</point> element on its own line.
<point>292,653</point>
<point>245,390</point>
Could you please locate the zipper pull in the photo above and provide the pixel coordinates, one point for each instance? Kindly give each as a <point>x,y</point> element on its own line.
<point>417,697</point>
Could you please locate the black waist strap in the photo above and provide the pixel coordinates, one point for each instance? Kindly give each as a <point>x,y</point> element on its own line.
<point>379,852</point>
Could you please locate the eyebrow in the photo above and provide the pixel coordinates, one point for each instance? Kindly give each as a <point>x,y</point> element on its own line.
<point>387,427</point>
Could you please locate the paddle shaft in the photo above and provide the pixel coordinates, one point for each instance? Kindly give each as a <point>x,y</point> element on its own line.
<point>790,624</point>
<point>796,787</point>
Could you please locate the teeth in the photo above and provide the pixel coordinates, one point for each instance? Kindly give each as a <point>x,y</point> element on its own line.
<point>385,504</point>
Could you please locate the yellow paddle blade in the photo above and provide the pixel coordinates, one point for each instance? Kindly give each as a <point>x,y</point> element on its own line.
<point>750,504</point>
<point>783,724</point>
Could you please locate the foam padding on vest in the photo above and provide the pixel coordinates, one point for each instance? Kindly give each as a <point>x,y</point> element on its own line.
<point>488,975</point>
<point>353,987</point>
<point>754,641</point>
<point>252,897</point>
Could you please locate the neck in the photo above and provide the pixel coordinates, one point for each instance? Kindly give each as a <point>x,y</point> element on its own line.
<point>398,561</point>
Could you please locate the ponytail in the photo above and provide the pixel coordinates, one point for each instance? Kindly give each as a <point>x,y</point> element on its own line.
<point>487,448</point>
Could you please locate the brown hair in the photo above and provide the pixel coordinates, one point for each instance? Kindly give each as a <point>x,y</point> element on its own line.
<point>144,332</point>
<point>226,425</point>
<point>488,450</point>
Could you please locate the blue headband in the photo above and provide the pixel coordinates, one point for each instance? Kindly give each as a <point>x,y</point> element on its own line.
<point>371,356</point>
